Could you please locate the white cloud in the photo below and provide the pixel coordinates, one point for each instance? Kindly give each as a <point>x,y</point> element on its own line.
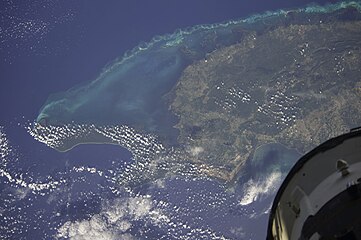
<point>124,226</point>
<point>239,232</point>
<point>91,229</point>
<point>139,207</point>
<point>21,193</point>
<point>195,151</point>
<point>160,183</point>
<point>253,190</point>
<point>111,223</point>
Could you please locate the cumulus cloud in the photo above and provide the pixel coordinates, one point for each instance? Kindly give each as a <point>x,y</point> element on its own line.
<point>93,229</point>
<point>254,189</point>
<point>21,193</point>
<point>195,151</point>
<point>113,222</point>
<point>239,232</point>
<point>159,183</point>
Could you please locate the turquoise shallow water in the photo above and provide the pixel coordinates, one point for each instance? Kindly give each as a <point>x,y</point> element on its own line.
<point>132,90</point>
<point>274,157</point>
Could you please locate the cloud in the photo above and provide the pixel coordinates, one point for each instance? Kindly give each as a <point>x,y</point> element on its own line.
<point>113,222</point>
<point>93,229</point>
<point>239,232</point>
<point>159,183</point>
<point>195,151</point>
<point>254,189</point>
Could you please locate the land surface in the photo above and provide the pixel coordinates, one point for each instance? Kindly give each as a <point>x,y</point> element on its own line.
<point>297,85</point>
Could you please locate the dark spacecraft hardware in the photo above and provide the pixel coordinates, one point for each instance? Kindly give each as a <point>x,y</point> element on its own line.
<point>321,196</point>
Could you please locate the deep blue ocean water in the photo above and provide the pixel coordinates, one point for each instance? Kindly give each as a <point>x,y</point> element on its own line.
<point>47,48</point>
